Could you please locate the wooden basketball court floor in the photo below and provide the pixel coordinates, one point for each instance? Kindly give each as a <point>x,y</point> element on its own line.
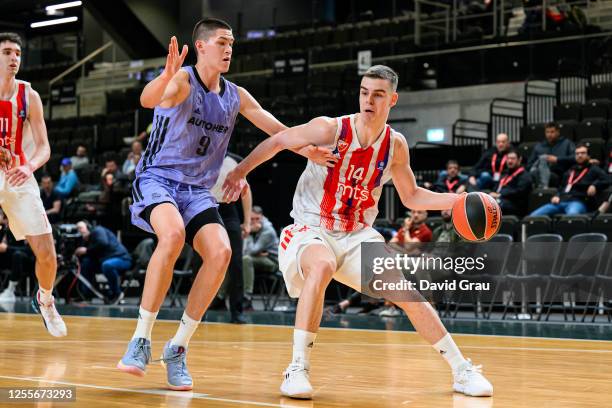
<point>241,366</point>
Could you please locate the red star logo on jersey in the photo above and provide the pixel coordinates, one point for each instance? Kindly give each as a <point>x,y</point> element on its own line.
<point>342,146</point>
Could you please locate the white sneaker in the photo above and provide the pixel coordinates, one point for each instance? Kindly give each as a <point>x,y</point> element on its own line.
<point>390,312</point>
<point>296,383</point>
<point>7,296</point>
<point>469,381</point>
<point>52,320</point>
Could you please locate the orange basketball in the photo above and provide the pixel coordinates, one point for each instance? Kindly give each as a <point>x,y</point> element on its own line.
<point>476,216</point>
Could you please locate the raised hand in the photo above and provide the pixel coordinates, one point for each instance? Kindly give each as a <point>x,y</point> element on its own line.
<point>174,61</point>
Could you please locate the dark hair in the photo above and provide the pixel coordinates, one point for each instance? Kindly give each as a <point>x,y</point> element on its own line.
<point>257,210</point>
<point>551,125</point>
<point>383,72</point>
<point>515,151</point>
<point>46,175</point>
<point>12,37</point>
<point>452,161</point>
<point>205,28</point>
<point>579,145</point>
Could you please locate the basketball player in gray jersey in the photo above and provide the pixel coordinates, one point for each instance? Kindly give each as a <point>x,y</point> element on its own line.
<point>195,112</point>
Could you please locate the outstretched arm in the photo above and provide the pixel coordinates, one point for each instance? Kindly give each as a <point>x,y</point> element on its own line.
<point>413,196</point>
<point>171,87</point>
<point>264,120</point>
<point>320,131</point>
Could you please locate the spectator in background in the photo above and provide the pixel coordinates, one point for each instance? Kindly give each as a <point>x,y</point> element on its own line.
<point>111,166</point>
<point>579,187</point>
<point>512,190</point>
<point>129,165</point>
<point>445,232</point>
<point>451,181</point>
<point>115,187</point>
<point>80,160</point>
<point>551,158</point>
<point>491,165</point>
<point>68,179</point>
<point>414,229</point>
<point>103,252</point>
<point>51,200</point>
<point>260,251</point>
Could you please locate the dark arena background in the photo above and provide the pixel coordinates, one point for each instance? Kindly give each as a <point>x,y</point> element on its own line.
<point>486,88</point>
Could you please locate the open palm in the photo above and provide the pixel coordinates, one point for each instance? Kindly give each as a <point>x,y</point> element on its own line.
<point>174,61</point>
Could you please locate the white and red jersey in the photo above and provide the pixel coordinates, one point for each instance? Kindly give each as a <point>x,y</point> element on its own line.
<point>13,122</point>
<point>345,197</point>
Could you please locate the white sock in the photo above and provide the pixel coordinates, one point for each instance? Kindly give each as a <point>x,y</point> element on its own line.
<point>12,286</point>
<point>449,350</point>
<point>45,297</point>
<point>187,327</point>
<point>303,342</point>
<point>145,323</point>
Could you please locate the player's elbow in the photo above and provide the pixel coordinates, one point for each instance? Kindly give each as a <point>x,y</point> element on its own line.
<point>412,199</point>
<point>146,103</point>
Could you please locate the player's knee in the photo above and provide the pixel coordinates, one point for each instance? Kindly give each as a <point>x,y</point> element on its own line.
<point>321,271</point>
<point>222,254</point>
<point>171,241</point>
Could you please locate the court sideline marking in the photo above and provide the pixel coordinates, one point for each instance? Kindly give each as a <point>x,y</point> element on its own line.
<point>285,343</point>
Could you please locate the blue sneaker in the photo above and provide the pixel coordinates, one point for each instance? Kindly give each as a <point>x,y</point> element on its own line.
<point>136,358</point>
<point>174,359</point>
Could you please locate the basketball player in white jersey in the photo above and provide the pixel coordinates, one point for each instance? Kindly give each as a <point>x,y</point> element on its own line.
<point>334,210</point>
<point>22,123</point>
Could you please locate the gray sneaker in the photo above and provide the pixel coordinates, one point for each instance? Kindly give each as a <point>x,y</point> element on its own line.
<point>174,359</point>
<point>136,358</point>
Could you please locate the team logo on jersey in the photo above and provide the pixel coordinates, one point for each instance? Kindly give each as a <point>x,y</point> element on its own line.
<point>215,127</point>
<point>381,165</point>
<point>6,141</point>
<point>353,192</point>
<point>22,114</point>
<point>342,146</point>
<point>199,99</point>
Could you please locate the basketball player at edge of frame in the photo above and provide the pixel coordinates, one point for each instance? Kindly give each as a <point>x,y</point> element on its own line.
<point>22,124</point>
<point>195,113</point>
<point>332,220</point>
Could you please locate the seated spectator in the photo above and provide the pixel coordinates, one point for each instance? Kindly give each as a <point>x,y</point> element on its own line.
<point>80,160</point>
<point>414,229</point>
<point>260,251</point>
<point>579,187</point>
<point>68,179</point>
<point>551,158</point>
<point>51,200</point>
<point>492,163</point>
<point>451,181</point>
<point>446,231</point>
<point>114,189</point>
<point>111,166</point>
<point>129,165</point>
<point>103,252</point>
<point>512,190</point>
